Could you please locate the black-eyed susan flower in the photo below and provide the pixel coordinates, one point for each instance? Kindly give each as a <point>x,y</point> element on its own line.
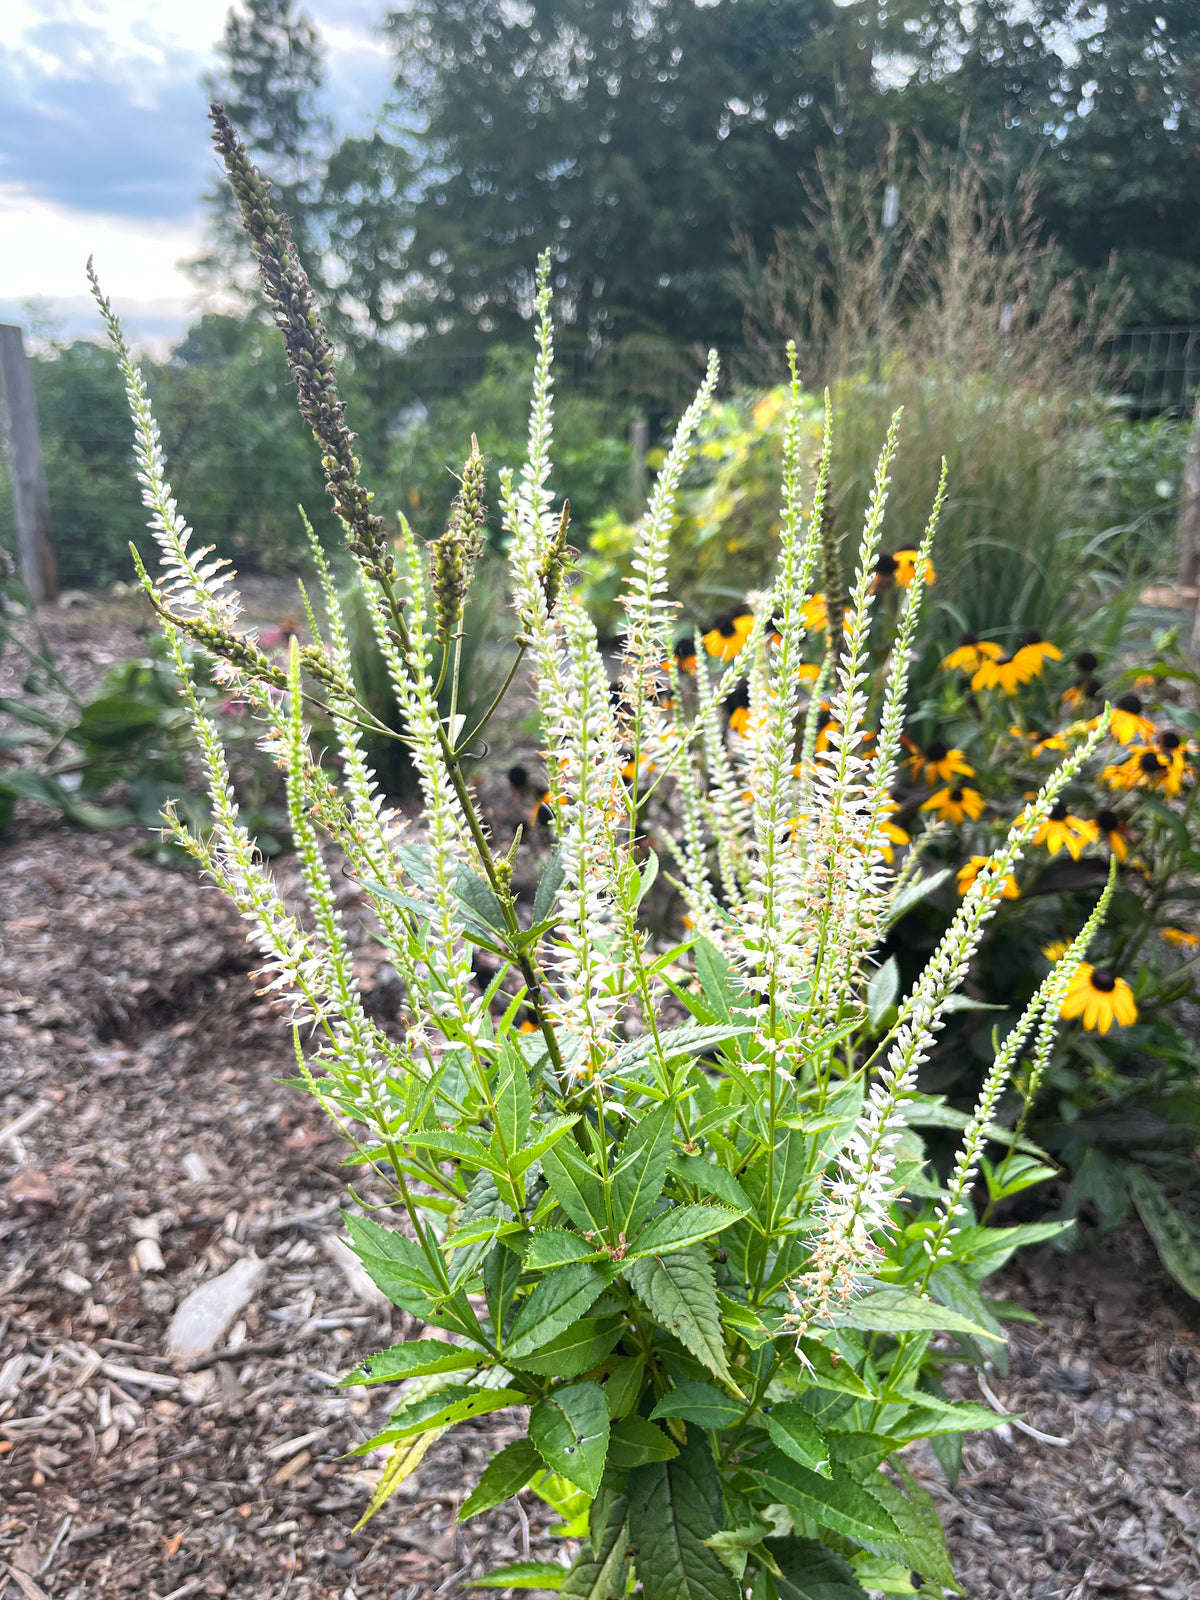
<point>1033,652</point>
<point>1078,695</point>
<point>970,871</point>
<point>900,568</point>
<point>1177,750</point>
<point>737,708</point>
<point>728,634</point>
<point>1180,938</point>
<point>685,653</point>
<point>957,804</point>
<point>814,613</point>
<point>1113,832</point>
<point>825,726</point>
<point>1062,831</point>
<point>808,672</point>
<point>1128,721</point>
<point>906,567</point>
<point>527,1021</point>
<point>970,653</point>
<point>1099,999</point>
<point>1087,662</point>
<point>1002,672</point>
<point>1146,769</point>
<point>1040,740</point>
<point>936,763</point>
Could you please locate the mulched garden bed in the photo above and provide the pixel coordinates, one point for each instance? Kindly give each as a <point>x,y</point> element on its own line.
<point>139,1068</point>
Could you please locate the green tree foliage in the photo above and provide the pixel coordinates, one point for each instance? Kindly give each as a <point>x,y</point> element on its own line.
<point>87,446</point>
<point>633,138</point>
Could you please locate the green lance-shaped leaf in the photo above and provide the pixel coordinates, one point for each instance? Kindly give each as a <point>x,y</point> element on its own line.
<point>898,1311</point>
<point>505,1474</point>
<point>634,1442</point>
<point>522,1575</point>
<point>575,1186</point>
<point>561,1297</point>
<point>556,1247</point>
<point>548,886</point>
<point>810,1570</point>
<point>570,1429</point>
<point>701,1403</point>
<point>512,1099</point>
<point>598,1572</point>
<point>882,991</point>
<point>577,1349</point>
<point>680,1293</point>
<point>711,1179</point>
<point>419,1358</point>
<point>456,1403</point>
<point>838,1502</point>
<point>797,1435</point>
<point>674,1506</point>
<point>1176,1241</point>
<point>681,1226</point>
<point>642,1169</point>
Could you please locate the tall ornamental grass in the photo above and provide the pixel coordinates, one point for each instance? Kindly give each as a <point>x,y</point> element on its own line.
<point>678,1211</point>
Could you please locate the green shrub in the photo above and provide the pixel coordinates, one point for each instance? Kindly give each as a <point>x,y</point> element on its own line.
<point>428,447</point>
<point>680,1211</point>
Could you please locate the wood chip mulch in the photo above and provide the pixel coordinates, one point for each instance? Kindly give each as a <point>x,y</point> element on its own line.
<point>136,1077</point>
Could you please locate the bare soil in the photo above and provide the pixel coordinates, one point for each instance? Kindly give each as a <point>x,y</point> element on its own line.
<point>130,1028</point>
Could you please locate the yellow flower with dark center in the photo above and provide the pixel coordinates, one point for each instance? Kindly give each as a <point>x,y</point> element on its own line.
<point>906,567</point>
<point>728,634</point>
<point>1147,769</point>
<point>1099,999</point>
<point>956,804</point>
<point>970,654</point>
<point>1062,831</point>
<point>901,568</point>
<point>737,706</point>
<point>1180,938</point>
<point>936,763</point>
<point>895,835</point>
<point>1039,741</point>
<point>1128,723</point>
<point>808,672</point>
<point>1003,672</point>
<point>685,653</point>
<point>1033,652</point>
<point>528,1022</point>
<point>1178,752</point>
<point>814,613</point>
<point>1080,693</point>
<point>970,871</point>
<point>1112,830</point>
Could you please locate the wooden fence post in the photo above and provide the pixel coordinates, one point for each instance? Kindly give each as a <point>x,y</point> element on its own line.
<point>31,502</point>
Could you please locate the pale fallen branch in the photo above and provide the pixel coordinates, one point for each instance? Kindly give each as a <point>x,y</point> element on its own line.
<point>1025,1427</point>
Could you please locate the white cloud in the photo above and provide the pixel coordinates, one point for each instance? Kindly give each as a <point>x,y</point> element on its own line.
<point>104,144</point>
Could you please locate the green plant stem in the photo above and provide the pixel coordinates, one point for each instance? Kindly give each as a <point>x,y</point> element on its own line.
<point>487,860</point>
<point>491,710</point>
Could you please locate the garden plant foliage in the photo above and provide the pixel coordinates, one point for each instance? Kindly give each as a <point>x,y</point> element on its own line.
<point>669,1197</point>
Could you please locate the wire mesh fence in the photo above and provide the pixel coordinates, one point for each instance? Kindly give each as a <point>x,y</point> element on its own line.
<point>1153,371</point>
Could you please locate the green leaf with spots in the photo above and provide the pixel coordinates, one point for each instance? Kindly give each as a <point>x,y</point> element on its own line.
<point>680,1293</point>
<point>570,1429</point>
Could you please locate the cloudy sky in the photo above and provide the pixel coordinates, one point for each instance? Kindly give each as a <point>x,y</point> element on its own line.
<point>103,148</point>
